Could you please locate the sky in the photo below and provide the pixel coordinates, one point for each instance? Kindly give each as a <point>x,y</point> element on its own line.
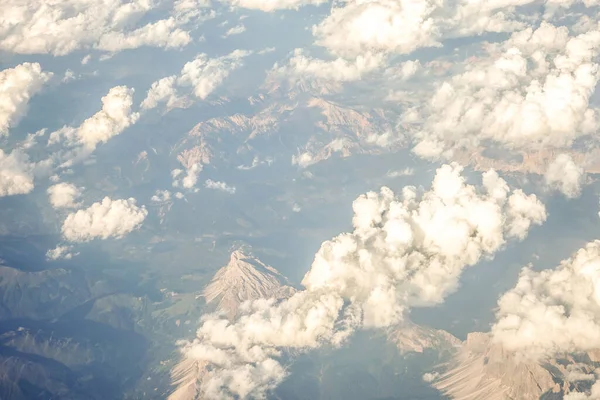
<point>123,122</point>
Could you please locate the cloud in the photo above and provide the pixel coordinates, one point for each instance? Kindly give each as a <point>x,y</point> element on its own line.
<point>407,251</point>
<point>543,80</point>
<point>301,67</point>
<point>103,220</point>
<point>190,179</point>
<point>163,33</point>
<point>236,30</point>
<point>115,116</point>
<point>565,176</point>
<point>161,196</point>
<point>273,5</point>
<point>60,252</point>
<point>408,171</point>
<point>60,28</point>
<point>555,310</point>
<point>17,86</point>
<point>222,186</point>
<point>64,195</point>
<point>16,173</point>
<point>358,26</point>
<point>355,27</point>
<point>202,75</point>
<point>593,395</point>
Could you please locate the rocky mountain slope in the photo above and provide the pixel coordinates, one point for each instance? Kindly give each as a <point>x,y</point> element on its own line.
<point>298,126</point>
<point>410,337</point>
<point>483,370</point>
<point>245,278</point>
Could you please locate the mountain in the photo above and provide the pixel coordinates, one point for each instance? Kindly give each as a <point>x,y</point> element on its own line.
<point>410,337</point>
<point>483,370</point>
<point>245,278</point>
<point>297,126</point>
<point>44,294</point>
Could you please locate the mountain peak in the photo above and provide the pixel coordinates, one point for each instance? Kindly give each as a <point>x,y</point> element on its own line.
<point>244,278</point>
<point>482,369</point>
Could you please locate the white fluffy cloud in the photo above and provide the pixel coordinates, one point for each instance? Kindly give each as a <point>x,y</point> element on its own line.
<point>358,26</point>
<point>17,86</point>
<point>565,176</point>
<point>202,75</point>
<point>163,33</point>
<point>273,5</point>
<point>61,27</point>
<point>355,27</point>
<point>217,185</point>
<point>403,252</point>
<point>16,174</point>
<point>190,179</point>
<point>339,70</point>
<point>103,220</point>
<point>236,30</point>
<point>554,310</point>
<point>60,252</point>
<point>540,97</point>
<point>64,195</point>
<point>161,196</point>
<point>115,116</point>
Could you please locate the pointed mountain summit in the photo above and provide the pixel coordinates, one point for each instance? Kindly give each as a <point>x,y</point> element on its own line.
<point>245,277</point>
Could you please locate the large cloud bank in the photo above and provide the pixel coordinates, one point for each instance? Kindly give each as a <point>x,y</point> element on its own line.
<point>17,86</point>
<point>355,27</point>
<point>554,310</point>
<point>102,220</point>
<point>406,251</point>
<point>62,27</point>
<point>529,92</point>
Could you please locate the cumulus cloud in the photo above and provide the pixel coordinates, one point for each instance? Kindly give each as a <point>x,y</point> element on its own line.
<point>406,251</point>
<point>236,30</point>
<point>17,86</point>
<point>273,5</point>
<point>202,76</point>
<point>60,252</point>
<point>355,27</point>
<point>164,33</point>
<point>61,27</point>
<point>217,185</point>
<point>339,70</point>
<point>16,173</point>
<point>64,195</point>
<point>161,196</point>
<point>115,116</point>
<point>102,220</point>
<point>565,176</point>
<point>554,310</point>
<point>190,179</point>
<point>540,97</point>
